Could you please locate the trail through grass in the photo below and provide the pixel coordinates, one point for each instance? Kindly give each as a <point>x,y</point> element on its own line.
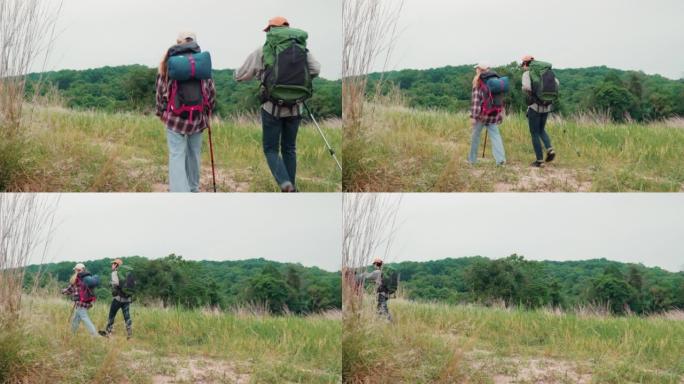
<point>179,346</point>
<point>439,343</point>
<point>96,151</point>
<point>404,149</point>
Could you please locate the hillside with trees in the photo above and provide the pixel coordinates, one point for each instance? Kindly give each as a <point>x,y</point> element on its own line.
<point>132,88</point>
<point>225,284</point>
<point>616,93</point>
<point>619,287</point>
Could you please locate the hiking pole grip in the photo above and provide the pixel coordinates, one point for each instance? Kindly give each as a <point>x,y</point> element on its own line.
<point>320,131</point>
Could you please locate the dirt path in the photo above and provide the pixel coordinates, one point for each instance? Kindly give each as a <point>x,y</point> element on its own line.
<point>193,369</point>
<point>201,371</point>
<point>529,370</point>
<point>225,182</point>
<point>547,179</point>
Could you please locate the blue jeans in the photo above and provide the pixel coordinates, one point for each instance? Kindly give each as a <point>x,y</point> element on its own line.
<point>81,314</point>
<point>184,161</point>
<point>537,123</point>
<point>280,146</point>
<point>495,138</point>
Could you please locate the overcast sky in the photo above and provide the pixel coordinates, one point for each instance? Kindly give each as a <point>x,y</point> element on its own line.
<point>638,228</point>
<point>624,34</point>
<point>95,33</point>
<point>299,228</point>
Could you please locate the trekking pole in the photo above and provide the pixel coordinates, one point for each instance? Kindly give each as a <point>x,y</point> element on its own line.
<point>211,152</point>
<point>484,147</point>
<point>330,149</point>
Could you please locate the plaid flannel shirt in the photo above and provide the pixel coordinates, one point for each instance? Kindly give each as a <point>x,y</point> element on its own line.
<point>477,98</point>
<point>72,290</point>
<point>179,124</point>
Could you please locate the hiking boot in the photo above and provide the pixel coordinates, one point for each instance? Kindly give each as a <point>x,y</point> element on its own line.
<point>129,334</point>
<point>550,155</point>
<point>537,164</point>
<point>103,333</point>
<point>287,187</point>
<point>501,164</point>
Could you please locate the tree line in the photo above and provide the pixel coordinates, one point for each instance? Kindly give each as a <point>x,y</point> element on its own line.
<point>174,281</point>
<point>619,94</point>
<point>619,287</point>
<point>131,88</point>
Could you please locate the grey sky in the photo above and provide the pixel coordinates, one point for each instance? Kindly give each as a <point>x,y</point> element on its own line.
<point>639,228</point>
<point>95,33</point>
<point>625,34</point>
<point>303,228</point>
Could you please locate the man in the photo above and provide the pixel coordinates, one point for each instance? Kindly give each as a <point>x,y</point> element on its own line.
<point>279,123</point>
<point>537,114</point>
<point>120,301</point>
<point>381,289</point>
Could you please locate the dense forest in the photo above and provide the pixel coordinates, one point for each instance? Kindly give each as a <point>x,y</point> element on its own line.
<point>515,281</point>
<point>174,281</point>
<point>619,94</point>
<point>132,88</point>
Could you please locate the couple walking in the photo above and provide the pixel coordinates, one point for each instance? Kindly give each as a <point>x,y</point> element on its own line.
<point>185,107</point>
<point>81,289</point>
<point>484,115</point>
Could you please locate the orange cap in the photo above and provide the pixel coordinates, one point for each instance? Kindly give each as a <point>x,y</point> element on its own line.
<point>527,58</point>
<point>277,21</point>
<point>117,261</point>
<point>377,261</point>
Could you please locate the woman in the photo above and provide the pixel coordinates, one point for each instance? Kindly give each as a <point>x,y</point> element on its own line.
<point>480,120</point>
<point>184,130</point>
<point>83,298</point>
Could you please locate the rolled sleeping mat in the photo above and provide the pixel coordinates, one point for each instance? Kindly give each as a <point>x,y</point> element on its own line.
<point>498,85</point>
<point>91,281</point>
<point>190,66</point>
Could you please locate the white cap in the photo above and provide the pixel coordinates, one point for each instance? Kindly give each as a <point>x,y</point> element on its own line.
<point>182,36</point>
<point>79,266</point>
<point>483,66</point>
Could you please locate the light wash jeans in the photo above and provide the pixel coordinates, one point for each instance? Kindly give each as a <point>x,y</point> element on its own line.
<point>495,138</point>
<point>81,314</point>
<point>184,161</point>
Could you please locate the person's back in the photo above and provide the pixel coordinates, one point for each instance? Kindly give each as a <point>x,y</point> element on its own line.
<point>185,106</point>
<point>541,90</point>
<point>285,84</point>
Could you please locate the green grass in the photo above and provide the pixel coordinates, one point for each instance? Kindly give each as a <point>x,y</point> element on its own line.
<point>220,348</point>
<point>96,151</point>
<point>404,149</point>
<point>438,343</point>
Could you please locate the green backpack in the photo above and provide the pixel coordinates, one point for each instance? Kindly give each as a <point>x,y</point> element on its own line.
<point>544,85</point>
<point>286,81</point>
<point>390,280</point>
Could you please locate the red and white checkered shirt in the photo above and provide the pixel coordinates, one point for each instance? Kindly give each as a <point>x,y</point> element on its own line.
<point>177,123</point>
<point>477,98</point>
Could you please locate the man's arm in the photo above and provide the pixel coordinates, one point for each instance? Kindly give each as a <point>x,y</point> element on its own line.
<point>314,65</point>
<point>252,67</point>
<point>526,82</point>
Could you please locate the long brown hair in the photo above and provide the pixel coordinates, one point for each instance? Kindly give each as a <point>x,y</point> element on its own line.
<point>164,66</point>
<point>476,79</point>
